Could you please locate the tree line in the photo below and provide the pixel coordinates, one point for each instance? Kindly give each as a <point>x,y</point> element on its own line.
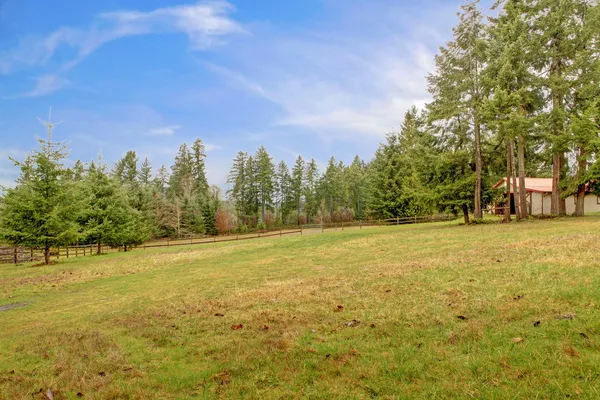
<point>514,94</point>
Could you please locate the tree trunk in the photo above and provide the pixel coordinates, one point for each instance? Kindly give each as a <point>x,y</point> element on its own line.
<point>555,199</point>
<point>508,175</point>
<point>466,214</point>
<point>99,248</point>
<point>562,202</point>
<point>125,248</point>
<point>478,168</point>
<point>581,169</point>
<point>514,181</point>
<point>47,254</point>
<point>522,189</point>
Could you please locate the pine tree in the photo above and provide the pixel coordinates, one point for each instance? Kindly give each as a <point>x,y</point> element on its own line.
<point>145,172</point>
<point>297,185</point>
<point>238,178</point>
<point>457,84</point>
<point>107,217</point>
<point>199,169</point>
<point>41,209</point>
<point>396,188</point>
<point>126,170</point>
<point>282,192</point>
<point>357,186</point>
<point>560,36</point>
<point>181,171</point>
<point>264,180</point>
<point>161,181</point>
<point>514,94</point>
<point>310,190</point>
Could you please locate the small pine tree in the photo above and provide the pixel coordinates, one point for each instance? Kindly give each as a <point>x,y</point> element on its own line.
<point>40,211</point>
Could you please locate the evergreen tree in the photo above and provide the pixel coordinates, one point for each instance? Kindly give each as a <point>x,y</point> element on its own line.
<point>310,191</point>
<point>264,180</point>
<point>199,169</point>
<point>145,172</point>
<point>238,178</point>
<point>41,209</point>
<point>358,186</point>
<point>107,217</point>
<point>457,85</point>
<point>514,95</point>
<point>161,181</point>
<point>396,186</point>
<point>560,36</point>
<point>282,192</point>
<point>181,171</point>
<point>297,185</point>
<point>126,168</point>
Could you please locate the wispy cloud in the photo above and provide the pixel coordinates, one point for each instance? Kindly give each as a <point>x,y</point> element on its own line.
<point>205,24</point>
<point>44,85</point>
<point>165,130</point>
<point>348,81</point>
<point>212,147</point>
<point>238,80</point>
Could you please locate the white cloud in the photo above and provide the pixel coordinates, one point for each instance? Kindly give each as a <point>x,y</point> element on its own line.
<point>205,24</point>
<point>346,80</point>
<point>165,130</point>
<point>212,147</point>
<point>44,85</point>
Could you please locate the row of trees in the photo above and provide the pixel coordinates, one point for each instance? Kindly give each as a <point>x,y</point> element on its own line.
<point>52,205</point>
<point>265,193</point>
<point>527,81</point>
<point>513,95</point>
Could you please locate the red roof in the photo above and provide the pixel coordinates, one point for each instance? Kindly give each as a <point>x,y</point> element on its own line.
<point>539,185</point>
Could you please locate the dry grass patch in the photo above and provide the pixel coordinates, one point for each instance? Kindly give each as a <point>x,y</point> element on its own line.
<point>425,311</point>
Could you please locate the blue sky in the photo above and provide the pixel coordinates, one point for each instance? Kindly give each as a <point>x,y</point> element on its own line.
<point>311,77</point>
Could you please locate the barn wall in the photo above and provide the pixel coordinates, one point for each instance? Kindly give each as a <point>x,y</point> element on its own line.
<point>536,204</point>
<point>591,204</point>
<point>537,208</point>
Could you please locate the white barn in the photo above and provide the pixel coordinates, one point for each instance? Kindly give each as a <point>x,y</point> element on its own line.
<point>539,194</point>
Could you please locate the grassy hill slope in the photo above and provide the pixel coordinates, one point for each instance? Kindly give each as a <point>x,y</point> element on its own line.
<point>424,311</point>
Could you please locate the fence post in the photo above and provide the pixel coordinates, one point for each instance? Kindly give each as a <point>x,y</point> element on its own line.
<point>342,226</point>
<point>359,224</point>
<point>31,254</point>
<point>415,219</point>
<point>67,251</point>
<point>16,255</point>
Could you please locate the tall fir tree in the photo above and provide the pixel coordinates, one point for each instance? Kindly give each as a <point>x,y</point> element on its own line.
<point>458,87</point>
<point>297,186</point>
<point>264,180</point>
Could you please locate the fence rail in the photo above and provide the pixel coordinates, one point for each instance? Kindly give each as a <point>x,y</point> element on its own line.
<point>17,255</point>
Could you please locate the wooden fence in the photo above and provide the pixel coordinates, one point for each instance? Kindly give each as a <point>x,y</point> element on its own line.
<point>17,255</point>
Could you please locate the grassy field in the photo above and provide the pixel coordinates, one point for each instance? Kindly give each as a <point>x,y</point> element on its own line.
<point>424,311</point>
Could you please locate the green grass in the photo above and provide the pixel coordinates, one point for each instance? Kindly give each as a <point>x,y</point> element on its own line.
<point>142,324</point>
